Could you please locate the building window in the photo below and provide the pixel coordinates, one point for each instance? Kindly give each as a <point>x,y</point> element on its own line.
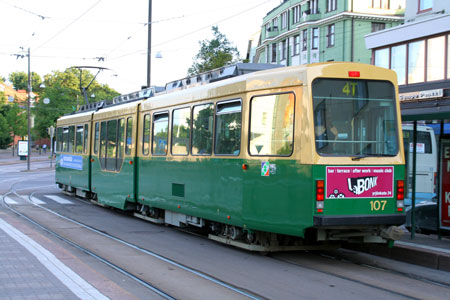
<point>331,5</point>
<point>313,7</point>
<point>274,24</point>
<point>272,125</point>
<point>283,49</point>
<point>378,26</point>
<point>296,14</point>
<point>284,20</point>
<point>435,58</point>
<point>416,62</point>
<point>305,40</point>
<point>10,99</point>
<point>330,36</point>
<point>425,5</point>
<point>381,4</point>
<point>297,44</point>
<point>315,38</point>
<point>382,58</point>
<point>398,62</point>
<point>274,53</point>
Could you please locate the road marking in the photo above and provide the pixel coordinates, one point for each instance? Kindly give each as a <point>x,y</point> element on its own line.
<point>69,278</point>
<point>34,200</point>
<point>10,201</point>
<point>58,199</point>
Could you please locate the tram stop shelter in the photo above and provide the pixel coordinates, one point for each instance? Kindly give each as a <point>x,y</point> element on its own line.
<point>427,109</point>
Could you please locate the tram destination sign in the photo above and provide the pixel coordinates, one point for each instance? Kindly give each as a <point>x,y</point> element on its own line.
<point>359,182</point>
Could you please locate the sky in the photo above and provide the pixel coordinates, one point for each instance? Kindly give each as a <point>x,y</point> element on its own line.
<point>63,33</point>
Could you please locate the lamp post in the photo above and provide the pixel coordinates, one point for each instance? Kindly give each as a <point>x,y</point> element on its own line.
<point>28,113</point>
<point>149,45</point>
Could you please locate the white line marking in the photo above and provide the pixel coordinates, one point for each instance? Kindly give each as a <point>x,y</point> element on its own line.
<point>34,200</point>
<point>58,199</point>
<point>69,278</point>
<point>10,201</point>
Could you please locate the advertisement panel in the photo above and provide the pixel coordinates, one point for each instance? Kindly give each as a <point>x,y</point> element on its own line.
<point>444,208</point>
<point>359,182</point>
<point>71,161</point>
<point>22,148</point>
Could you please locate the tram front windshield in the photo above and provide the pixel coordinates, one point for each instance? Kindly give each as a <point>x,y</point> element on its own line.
<point>354,117</point>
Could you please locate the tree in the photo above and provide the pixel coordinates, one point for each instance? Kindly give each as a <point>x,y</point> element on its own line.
<point>17,120</point>
<point>63,91</point>
<point>5,137</point>
<point>20,81</point>
<point>214,54</point>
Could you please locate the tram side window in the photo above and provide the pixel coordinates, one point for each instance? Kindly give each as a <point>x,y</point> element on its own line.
<point>71,139</point>
<point>181,126</point>
<point>103,145</point>
<point>160,133</point>
<point>86,131</point>
<point>59,139</point>
<point>96,137</point>
<point>79,139</point>
<point>111,145</point>
<point>120,144</point>
<point>146,136</point>
<point>202,129</point>
<point>228,128</point>
<point>272,125</point>
<point>65,139</point>
<point>129,136</point>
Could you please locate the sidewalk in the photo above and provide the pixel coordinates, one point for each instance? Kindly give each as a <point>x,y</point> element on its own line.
<point>29,271</point>
<point>6,157</point>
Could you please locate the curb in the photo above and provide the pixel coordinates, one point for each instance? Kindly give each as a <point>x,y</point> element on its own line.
<point>409,253</point>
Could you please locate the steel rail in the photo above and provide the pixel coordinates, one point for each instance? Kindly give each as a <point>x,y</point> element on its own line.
<point>148,252</point>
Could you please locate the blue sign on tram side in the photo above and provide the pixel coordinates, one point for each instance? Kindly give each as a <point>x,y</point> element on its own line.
<point>71,161</point>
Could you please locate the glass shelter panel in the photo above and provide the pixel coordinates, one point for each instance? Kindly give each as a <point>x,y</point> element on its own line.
<point>272,125</point>
<point>202,129</point>
<point>355,117</point>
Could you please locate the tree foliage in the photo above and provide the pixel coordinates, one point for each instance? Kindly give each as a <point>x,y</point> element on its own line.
<point>214,54</point>
<point>5,138</point>
<point>63,91</point>
<point>20,81</point>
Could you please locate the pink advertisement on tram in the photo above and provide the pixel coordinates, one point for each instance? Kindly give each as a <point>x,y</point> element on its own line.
<point>359,182</point>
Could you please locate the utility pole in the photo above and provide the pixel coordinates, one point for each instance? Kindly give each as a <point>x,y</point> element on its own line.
<point>28,112</point>
<point>149,45</point>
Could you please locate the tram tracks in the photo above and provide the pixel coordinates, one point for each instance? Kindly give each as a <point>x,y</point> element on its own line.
<point>214,287</point>
<point>377,277</point>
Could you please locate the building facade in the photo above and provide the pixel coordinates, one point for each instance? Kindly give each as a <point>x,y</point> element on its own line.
<point>419,51</point>
<point>308,31</point>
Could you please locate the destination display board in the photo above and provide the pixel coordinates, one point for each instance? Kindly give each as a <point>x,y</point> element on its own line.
<point>360,182</point>
<point>444,208</point>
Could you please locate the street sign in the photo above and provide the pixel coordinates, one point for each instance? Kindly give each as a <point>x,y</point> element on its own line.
<point>444,208</point>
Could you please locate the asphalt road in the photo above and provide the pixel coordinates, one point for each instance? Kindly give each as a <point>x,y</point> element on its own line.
<point>298,275</point>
